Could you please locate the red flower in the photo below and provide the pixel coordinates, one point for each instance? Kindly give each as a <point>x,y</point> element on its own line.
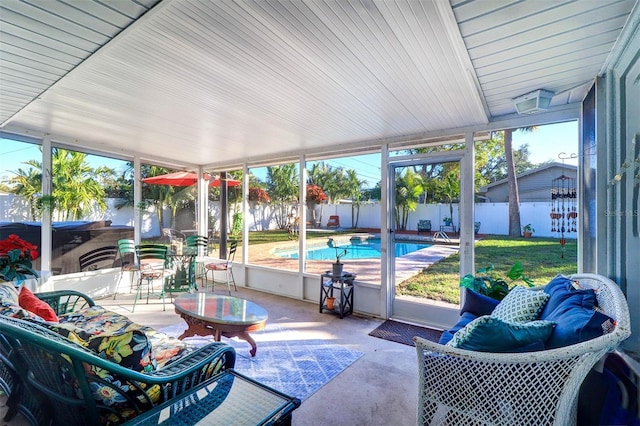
<point>16,255</point>
<point>258,195</point>
<point>315,194</point>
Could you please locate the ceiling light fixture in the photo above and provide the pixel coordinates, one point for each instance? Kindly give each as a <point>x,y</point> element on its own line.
<point>531,103</point>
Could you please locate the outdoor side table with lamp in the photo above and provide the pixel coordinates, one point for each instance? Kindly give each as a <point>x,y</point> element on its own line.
<point>342,284</point>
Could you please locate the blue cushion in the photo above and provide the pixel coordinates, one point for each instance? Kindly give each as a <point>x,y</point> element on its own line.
<point>491,334</point>
<point>575,325</point>
<point>574,312</point>
<point>478,304</point>
<point>562,294</point>
<point>464,319</point>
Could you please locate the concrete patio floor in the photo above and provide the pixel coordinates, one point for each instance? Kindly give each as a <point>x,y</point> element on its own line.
<point>380,388</point>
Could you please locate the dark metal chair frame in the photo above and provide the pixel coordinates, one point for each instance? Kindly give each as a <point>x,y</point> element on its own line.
<point>156,269</point>
<point>424,225</point>
<point>200,243</point>
<point>128,262</point>
<point>100,258</point>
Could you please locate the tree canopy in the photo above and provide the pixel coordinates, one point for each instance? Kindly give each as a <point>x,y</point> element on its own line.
<point>76,189</point>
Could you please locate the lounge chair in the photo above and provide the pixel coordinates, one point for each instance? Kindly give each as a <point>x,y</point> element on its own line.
<point>333,222</point>
<point>424,225</point>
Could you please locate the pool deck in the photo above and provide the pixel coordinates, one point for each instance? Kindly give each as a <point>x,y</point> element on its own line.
<point>367,270</point>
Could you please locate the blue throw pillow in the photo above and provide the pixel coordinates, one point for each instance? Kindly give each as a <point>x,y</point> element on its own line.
<point>478,304</point>
<point>575,325</point>
<point>563,295</point>
<point>464,319</point>
<point>574,312</point>
<point>491,334</point>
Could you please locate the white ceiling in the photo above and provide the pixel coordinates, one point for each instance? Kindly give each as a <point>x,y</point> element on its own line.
<point>216,82</point>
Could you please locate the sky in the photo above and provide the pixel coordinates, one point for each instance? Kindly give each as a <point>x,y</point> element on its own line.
<point>547,143</point>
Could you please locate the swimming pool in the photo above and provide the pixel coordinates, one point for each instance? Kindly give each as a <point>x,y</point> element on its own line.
<point>368,249</point>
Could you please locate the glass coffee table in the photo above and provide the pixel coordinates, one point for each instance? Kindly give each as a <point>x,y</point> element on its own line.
<point>217,315</point>
<point>228,399</point>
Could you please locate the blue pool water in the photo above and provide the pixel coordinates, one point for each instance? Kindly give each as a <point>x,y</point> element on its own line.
<point>369,249</point>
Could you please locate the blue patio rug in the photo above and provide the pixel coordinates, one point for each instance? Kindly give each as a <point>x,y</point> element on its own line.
<point>285,360</point>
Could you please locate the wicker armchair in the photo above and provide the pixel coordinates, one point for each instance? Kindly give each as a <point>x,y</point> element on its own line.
<point>32,405</point>
<point>72,385</point>
<point>459,386</point>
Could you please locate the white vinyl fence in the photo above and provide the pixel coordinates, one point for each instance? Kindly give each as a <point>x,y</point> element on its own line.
<point>493,217</point>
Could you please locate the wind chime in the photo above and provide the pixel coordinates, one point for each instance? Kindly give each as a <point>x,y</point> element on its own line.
<point>564,214</point>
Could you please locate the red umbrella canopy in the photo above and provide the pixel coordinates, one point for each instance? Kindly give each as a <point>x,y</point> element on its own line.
<point>186,179</point>
<point>230,182</point>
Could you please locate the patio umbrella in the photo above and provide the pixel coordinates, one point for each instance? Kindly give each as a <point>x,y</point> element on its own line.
<point>186,179</point>
<point>230,182</point>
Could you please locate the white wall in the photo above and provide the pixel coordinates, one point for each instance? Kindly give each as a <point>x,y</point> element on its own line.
<point>494,217</point>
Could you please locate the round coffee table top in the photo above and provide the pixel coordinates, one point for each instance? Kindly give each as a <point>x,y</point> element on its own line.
<point>220,309</point>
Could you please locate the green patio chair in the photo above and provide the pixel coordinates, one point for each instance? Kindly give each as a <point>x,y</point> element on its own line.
<point>153,266</point>
<point>200,244</point>
<point>74,384</point>
<point>128,262</point>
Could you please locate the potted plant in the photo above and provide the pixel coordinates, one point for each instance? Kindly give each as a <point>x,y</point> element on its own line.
<point>447,221</point>
<point>489,285</point>
<point>46,203</point>
<point>331,301</point>
<point>527,230</point>
<point>337,266</point>
<point>16,255</point>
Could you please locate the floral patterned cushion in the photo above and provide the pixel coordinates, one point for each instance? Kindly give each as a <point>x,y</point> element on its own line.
<point>113,391</point>
<point>8,293</point>
<point>97,320</point>
<point>114,337</point>
<point>14,310</point>
<point>130,349</point>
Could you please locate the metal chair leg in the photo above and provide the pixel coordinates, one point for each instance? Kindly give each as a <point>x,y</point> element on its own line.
<point>230,271</point>
<point>228,281</point>
<point>135,300</point>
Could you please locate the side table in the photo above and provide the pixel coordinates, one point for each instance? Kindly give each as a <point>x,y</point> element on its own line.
<point>342,284</point>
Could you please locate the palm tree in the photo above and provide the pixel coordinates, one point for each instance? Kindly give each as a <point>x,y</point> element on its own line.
<point>354,186</point>
<point>409,187</point>
<point>282,187</point>
<point>449,190</point>
<point>157,195</point>
<point>512,179</point>
<point>75,189</point>
<point>514,195</point>
<point>320,175</point>
<point>28,184</point>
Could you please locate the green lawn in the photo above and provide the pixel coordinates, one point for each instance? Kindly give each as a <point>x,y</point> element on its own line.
<point>540,258</point>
